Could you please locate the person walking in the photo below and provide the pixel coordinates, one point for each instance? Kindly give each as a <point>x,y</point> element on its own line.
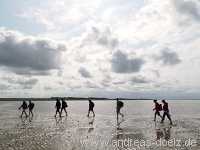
<point>91,108</point>
<point>120,104</point>
<point>157,109</point>
<point>166,112</point>
<point>30,107</point>
<point>64,106</point>
<point>24,107</point>
<point>58,106</point>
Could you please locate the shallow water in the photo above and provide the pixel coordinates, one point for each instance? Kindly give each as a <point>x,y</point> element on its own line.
<point>76,131</point>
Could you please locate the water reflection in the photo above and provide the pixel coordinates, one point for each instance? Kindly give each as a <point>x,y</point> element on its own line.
<point>91,124</point>
<point>163,131</point>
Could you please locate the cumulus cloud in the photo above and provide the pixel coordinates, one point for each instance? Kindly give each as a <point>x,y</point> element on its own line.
<point>101,36</point>
<point>22,82</point>
<point>168,57</point>
<point>122,64</point>
<point>84,72</point>
<point>25,55</point>
<point>105,38</point>
<point>190,8</point>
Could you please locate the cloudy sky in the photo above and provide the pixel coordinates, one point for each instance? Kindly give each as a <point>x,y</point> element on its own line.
<point>104,48</point>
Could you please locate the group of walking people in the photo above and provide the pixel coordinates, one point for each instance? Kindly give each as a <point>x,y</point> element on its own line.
<point>162,107</point>
<point>60,106</point>
<point>26,106</point>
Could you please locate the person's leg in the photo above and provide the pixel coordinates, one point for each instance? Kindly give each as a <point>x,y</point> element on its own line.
<point>155,116</point>
<point>117,115</point>
<point>65,111</point>
<point>30,112</point>
<point>121,114</point>
<point>93,112</point>
<point>163,118</point>
<point>22,113</point>
<point>159,114</point>
<point>169,117</point>
<point>88,113</point>
<point>61,111</point>
<point>56,112</point>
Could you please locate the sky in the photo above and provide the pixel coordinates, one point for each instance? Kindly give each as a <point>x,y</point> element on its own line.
<point>102,48</point>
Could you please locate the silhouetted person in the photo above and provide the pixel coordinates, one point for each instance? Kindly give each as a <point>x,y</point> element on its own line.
<point>30,107</point>
<point>64,106</point>
<point>24,107</point>
<point>120,104</point>
<point>58,106</point>
<point>166,112</point>
<point>157,109</point>
<point>91,108</point>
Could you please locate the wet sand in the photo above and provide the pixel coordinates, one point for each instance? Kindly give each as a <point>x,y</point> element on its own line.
<point>137,131</point>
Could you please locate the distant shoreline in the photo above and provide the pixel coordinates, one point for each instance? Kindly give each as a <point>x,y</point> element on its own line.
<point>80,99</point>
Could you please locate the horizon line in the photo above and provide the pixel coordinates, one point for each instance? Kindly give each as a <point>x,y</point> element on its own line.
<point>84,98</point>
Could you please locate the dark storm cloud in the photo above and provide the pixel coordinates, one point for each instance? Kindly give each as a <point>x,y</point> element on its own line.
<point>122,64</point>
<point>28,56</point>
<point>24,83</point>
<point>84,72</point>
<point>190,8</point>
<point>168,57</point>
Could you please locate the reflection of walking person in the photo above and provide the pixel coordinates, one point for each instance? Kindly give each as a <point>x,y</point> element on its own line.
<point>30,107</point>
<point>157,109</point>
<point>91,108</point>
<point>120,104</point>
<point>58,105</point>
<point>166,112</point>
<point>163,133</point>
<point>64,106</point>
<point>24,107</point>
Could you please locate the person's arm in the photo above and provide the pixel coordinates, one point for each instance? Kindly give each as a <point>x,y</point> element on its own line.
<point>154,108</point>
<point>20,107</point>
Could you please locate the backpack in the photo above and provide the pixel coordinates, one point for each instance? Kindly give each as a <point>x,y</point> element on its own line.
<point>120,104</point>
<point>159,107</point>
<point>24,106</point>
<point>31,106</point>
<point>65,104</point>
<point>92,104</point>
